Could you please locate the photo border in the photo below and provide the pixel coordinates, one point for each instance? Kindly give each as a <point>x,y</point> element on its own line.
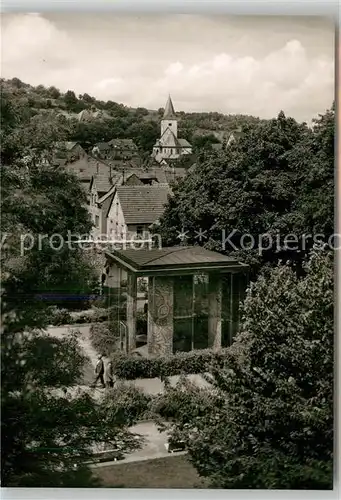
<point>326,8</point>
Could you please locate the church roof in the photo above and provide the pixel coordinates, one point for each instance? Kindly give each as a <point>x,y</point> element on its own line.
<point>169,139</point>
<point>169,110</point>
<point>184,143</point>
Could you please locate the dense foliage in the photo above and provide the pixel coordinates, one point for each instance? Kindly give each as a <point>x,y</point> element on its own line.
<point>44,431</point>
<point>266,197</point>
<point>268,422</point>
<point>140,124</point>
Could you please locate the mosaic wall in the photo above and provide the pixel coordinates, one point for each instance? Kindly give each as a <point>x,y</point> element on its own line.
<point>160,316</point>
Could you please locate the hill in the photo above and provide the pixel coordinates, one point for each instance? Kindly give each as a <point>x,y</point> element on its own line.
<point>94,120</point>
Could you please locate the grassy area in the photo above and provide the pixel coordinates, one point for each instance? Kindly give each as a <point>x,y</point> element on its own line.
<point>169,472</point>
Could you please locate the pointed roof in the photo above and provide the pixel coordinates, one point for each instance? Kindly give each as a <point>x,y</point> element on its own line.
<point>169,109</point>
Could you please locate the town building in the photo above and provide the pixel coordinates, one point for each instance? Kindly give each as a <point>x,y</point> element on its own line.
<point>68,151</point>
<point>170,146</point>
<point>134,209</point>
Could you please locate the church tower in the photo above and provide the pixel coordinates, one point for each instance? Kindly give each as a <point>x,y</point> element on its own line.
<point>169,119</point>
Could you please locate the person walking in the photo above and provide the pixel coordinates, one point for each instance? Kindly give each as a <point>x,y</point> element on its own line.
<point>99,371</point>
<point>109,375</point>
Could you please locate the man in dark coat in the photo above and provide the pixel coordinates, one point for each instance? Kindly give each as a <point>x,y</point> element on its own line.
<point>99,371</point>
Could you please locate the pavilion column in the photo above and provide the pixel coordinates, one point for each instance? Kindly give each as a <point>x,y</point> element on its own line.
<point>113,279</point>
<point>214,311</point>
<point>131,310</point>
<point>160,316</point>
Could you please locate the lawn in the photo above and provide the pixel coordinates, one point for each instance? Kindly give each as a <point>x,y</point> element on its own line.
<point>169,472</point>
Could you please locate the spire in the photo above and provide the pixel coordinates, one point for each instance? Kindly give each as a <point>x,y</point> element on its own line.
<point>169,110</point>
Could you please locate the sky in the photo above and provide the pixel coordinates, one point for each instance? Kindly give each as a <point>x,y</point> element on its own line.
<point>251,65</point>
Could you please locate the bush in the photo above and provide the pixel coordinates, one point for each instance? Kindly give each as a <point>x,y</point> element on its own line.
<point>102,339</point>
<point>60,317</point>
<point>188,363</point>
<point>126,403</point>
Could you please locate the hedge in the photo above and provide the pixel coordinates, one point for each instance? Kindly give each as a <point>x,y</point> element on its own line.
<point>98,315</point>
<point>188,363</point>
<point>103,338</point>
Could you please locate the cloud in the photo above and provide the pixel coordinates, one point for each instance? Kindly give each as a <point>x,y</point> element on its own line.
<point>256,73</point>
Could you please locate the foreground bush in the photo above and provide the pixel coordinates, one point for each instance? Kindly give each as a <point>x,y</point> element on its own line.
<point>126,403</point>
<point>268,423</point>
<point>194,362</point>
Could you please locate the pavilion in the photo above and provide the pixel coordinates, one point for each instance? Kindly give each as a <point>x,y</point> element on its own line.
<point>193,296</point>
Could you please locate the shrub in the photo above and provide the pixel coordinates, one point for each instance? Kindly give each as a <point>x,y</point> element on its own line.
<point>102,339</point>
<point>126,403</point>
<point>60,317</point>
<point>189,363</point>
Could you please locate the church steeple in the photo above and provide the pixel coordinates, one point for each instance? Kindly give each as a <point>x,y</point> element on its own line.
<point>169,113</point>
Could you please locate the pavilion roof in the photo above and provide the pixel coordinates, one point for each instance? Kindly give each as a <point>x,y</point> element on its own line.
<point>174,260</point>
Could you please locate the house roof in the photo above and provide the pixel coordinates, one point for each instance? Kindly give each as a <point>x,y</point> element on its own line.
<point>169,112</point>
<point>102,146</point>
<point>85,114</point>
<point>155,173</point>
<point>177,259</point>
<point>100,113</point>
<point>142,204</point>
<point>88,167</point>
<point>104,182</point>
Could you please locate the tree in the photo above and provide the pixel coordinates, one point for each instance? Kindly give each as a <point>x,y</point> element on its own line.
<point>54,92</point>
<point>267,419</point>
<point>204,142</point>
<point>44,432</point>
<point>258,187</point>
<point>70,99</point>
<point>314,161</point>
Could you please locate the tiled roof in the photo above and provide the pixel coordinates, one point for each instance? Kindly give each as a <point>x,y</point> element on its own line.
<point>87,167</point>
<point>142,204</point>
<point>155,173</point>
<point>103,182</point>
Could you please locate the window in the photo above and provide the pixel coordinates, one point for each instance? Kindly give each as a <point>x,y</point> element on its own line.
<point>169,124</point>
<point>97,220</point>
<point>139,230</point>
